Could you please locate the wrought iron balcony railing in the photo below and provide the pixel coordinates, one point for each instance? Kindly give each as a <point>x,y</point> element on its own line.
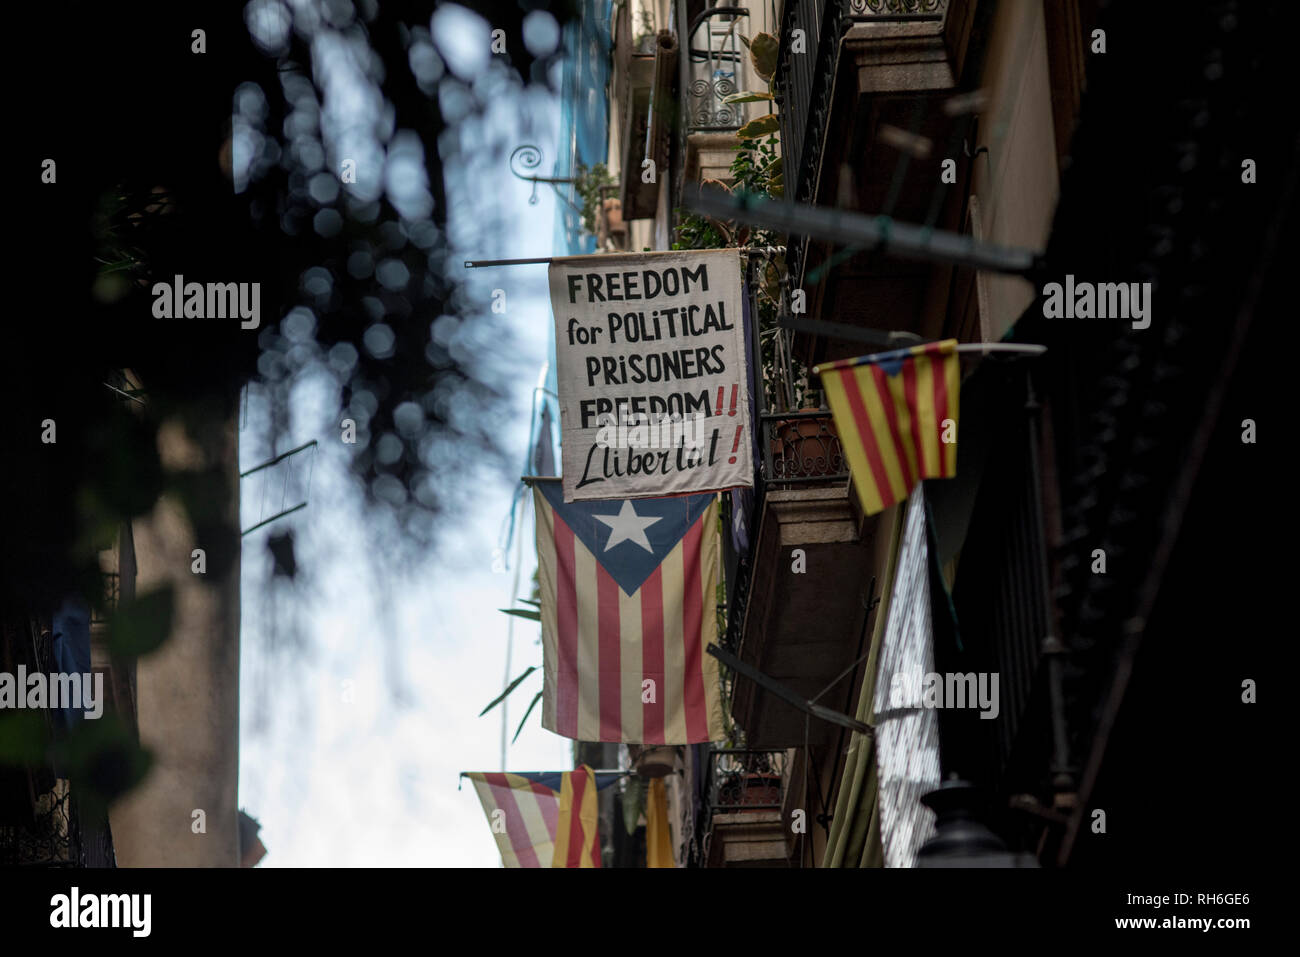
<point>800,448</point>
<point>743,779</point>
<point>58,834</point>
<point>869,9</point>
<point>738,781</point>
<point>715,65</point>
<point>43,823</point>
<point>795,449</point>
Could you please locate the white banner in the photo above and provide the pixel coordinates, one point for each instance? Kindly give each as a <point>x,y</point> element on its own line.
<point>650,361</point>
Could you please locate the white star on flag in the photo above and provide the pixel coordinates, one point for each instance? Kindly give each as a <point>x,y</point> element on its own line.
<point>627,526</point>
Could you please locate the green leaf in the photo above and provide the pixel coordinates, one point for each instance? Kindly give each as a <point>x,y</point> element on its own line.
<point>749,96</point>
<point>141,626</point>
<point>759,127</point>
<point>512,686</point>
<point>533,704</point>
<point>775,168</point>
<point>762,51</point>
<point>529,601</point>
<point>23,736</point>
<point>104,758</point>
<point>523,613</point>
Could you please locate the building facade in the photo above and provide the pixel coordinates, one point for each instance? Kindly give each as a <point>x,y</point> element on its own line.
<point>1049,578</point>
<point>154,784</point>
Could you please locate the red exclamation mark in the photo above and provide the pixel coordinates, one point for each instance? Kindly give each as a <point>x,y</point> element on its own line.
<point>717,409</point>
<point>735,442</point>
<point>734,390</point>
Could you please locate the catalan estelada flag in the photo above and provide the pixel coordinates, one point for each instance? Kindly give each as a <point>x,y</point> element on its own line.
<point>543,819</point>
<point>896,415</point>
<point>629,603</point>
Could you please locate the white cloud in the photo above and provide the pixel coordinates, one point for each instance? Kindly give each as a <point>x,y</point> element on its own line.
<point>374,782</point>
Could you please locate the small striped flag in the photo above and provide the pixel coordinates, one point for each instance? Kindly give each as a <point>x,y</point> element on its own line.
<point>543,819</point>
<point>896,415</point>
<point>628,596</point>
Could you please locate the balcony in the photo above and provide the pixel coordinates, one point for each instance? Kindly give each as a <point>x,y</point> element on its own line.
<point>798,595</point>
<point>640,85</point>
<point>805,81</point>
<point>715,64</point>
<point>55,833</point>
<point>741,824</point>
<point>871,65</point>
<point>42,822</point>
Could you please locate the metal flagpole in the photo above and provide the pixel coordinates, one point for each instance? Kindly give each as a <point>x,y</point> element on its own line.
<point>510,640</point>
<point>871,232</point>
<point>787,694</point>
<point>622,773</point>
<point>964,348</point>
<point>539,260</point>
<point>480,263</point>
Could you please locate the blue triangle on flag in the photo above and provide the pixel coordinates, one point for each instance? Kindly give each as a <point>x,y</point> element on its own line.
<point>628,537</point>
<point>555,779</point>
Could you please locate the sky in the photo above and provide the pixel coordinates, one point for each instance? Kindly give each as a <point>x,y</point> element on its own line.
<point>355,724</point>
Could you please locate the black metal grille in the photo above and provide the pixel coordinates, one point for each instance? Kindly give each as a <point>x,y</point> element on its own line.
<point>713,68</point>
<point>801,447</point>
<point>738,781</point>
<point>1002,599</point>
<point>42,823</point>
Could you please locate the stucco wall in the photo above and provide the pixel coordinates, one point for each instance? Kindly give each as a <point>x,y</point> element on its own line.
<point>1017,180</point>
<point>187,693</point>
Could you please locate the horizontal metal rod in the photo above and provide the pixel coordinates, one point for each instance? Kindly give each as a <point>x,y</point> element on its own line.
<point>480,263</point>
<point>1016,348</point>
<point>128,395</point>
<point>965,348</point>
<point>786,694</point>
<point>288,511</point>
<point>875,233</point>
<point>840,330</point>
<point>620,772</point>
<point>278,458</point>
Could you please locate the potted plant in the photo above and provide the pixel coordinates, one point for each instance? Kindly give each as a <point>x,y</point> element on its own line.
<point>756,784</point>
<point>611,229</point>
<point>588,184</point>
<point>613,213</point>
<point>652,761</point>
<point>807,446</point>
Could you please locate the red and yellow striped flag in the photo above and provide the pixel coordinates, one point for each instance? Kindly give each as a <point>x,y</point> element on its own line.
<point>896,415</point>
<point>544,819</point>
<point>576,841</point>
